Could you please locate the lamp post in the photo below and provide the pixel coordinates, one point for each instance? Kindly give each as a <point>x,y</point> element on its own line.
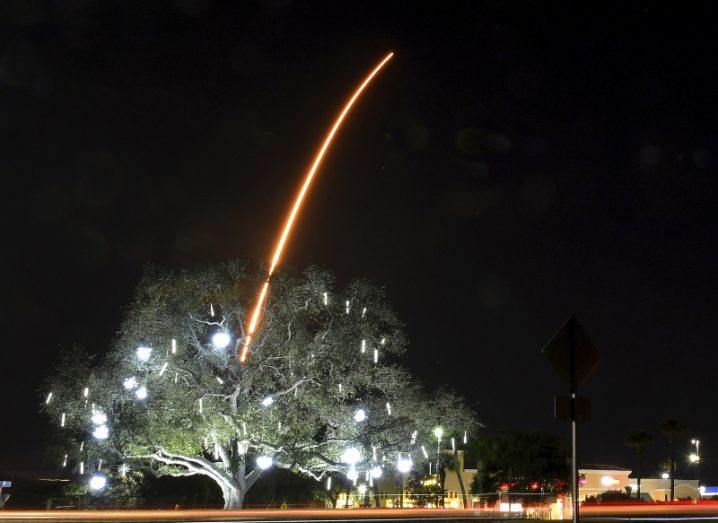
<point>439,432</point>
<point>696,458</point>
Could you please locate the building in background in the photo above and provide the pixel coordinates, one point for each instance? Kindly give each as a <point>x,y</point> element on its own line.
<point>597,479</point>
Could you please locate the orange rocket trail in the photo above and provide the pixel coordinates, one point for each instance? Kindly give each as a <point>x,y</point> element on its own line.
<point>297,206</point>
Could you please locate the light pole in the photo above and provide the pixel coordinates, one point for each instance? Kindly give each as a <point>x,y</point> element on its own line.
<point>439,432</point>
<point>696,458</point>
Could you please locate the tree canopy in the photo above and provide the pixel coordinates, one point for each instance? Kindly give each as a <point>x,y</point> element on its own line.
<point>323,391</point>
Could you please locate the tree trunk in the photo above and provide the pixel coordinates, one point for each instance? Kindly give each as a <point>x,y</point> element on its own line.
<point>233,496</point>
<point>459,469</point>
<point>673,471</point>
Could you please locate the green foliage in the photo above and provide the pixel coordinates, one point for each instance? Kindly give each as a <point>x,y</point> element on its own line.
<point>524,460</point>
<point>307,356</point>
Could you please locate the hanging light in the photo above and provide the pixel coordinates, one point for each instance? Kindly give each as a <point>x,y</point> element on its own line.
<point>360,415</point>
<point>221,339</point>
<point>101,432</point>
<point>141,392</point>
<point>326,298</point>
<point>438,432</point>
<point>174,346</point>
<point>123,469</point>
<point>375,472</point>
<point>219,380</point>
<point>264,462</point>
<point>465,438</point>
<point>351,456</point>
<point>144,353</point>
<point>211,309</point>
<point>423,451</point>
<point>49,397</point>
<point>201,405</point>
<point>453,444</point>
<point>62,420</point>
<point>403,465</point>
<point>352,474</point>
<point>82,468</point>
<point>130,383</point>
<point>362,489</point>
<point>329,482</point>
<point>363,346</point>
<point>99,418</point>
<point>363,312</point>
<point>347,306</point>
<point>85,392</point>
<point>98,482</point>
<point>376,355</point>
<point>268,401</point>
<point>163,368</point>
<point>383,341</point>
<point>388,408</point>
<point>64,461</point>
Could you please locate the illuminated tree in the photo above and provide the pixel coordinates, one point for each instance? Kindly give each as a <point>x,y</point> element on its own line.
<point>323,391</point>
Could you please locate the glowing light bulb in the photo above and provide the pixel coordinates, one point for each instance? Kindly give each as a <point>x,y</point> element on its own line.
<point>141,393</point>
<point>360,415</point>
<point>351,456</point>
<point>85,392</point>
<point>101,432</point>
<point>130,383</point>
<point>144,353</point>
<point>376,472</point>
<point>123,469</point>
<point>268,401</point>
<point>98,482</point>
<point>264,462</point>
<point>383,341</point>
<point>201,405</point>
<point>363,312</point>
<point>219,380</point>
<point>64,461</point>
<point>82,468</point>
<point>221,339</point>
<point>376,355</point>
<point>403,465</point>
<point>99,418</point>
<point>453,444</point>
<point>211,310</point>
<point>465,438</point>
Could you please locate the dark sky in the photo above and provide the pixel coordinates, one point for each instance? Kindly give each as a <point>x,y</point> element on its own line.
<point>516,163</point>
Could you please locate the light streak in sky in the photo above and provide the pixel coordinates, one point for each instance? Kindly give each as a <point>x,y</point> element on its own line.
<point>299,199</point>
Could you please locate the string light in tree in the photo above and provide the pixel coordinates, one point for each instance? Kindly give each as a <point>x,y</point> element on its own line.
<point>453,444</point>
<point>264,462</point>
<point>326,298</point>
<point>49,397</point>
<point>144,353</point>
<point>363,312</point>
<point>64,461</point>
<point>101,432</point>
<point>123,469</point>
<point>130,383</point>
<point>62,420</point>
<point>219,380</point>
<point>388,408</point>
<point>85,392</point>
<point>98,482</point>
<point>268,401</point>
<point>360,415</point>
<point>423,451</point>
<point>347,306</point>
<point>351,456</point>
<point>141,393</point>
<point>82,468</point>
<point>373,453</point>
<point>221,339</point>
<point>363,346</point>
<point>329,482</point>
<point>99,418</point>
<point>352,474</point>
<point>376,472</point>
<point>163,368</point>
<point>403,465</point>
<point>174,346</point>
<point>376,356</point>
<point>201,405</point>
<point>211,310</point>
<point>465,438</point>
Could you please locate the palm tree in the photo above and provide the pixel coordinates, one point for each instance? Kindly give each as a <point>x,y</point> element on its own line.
<point>672,428</point>
<point>638,440</point>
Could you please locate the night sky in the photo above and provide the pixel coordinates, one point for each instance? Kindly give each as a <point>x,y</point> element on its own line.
<point>514,164</point>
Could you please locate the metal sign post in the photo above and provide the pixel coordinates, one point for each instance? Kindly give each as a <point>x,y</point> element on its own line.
<point>574,357</point>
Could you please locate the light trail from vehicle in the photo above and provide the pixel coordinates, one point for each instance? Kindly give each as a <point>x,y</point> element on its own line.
<point>296,207</point>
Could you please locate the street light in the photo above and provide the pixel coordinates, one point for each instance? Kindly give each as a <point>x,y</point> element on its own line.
<point>696,458</point>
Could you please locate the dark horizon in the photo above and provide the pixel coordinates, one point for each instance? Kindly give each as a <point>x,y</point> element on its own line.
<point>512,166</point>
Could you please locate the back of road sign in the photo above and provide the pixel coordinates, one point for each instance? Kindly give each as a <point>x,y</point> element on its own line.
<point>570,345</point>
